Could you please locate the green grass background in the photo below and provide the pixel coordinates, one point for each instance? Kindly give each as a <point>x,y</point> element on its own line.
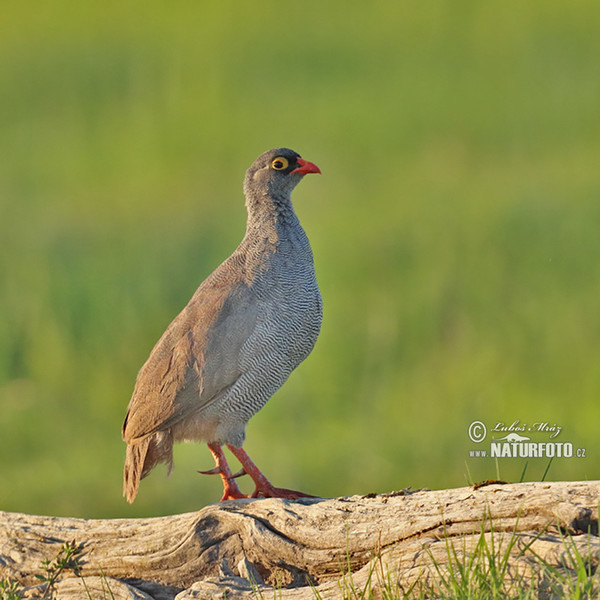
<point>455,231</point>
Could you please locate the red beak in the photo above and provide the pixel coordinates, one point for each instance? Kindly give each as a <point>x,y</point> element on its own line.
<point>306,167</point>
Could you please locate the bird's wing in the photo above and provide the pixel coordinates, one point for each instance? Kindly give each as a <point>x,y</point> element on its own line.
<point>180,376</point>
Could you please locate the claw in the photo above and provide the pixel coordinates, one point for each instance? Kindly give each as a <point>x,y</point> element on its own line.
<point>240,473</point>
<point>214,471</point>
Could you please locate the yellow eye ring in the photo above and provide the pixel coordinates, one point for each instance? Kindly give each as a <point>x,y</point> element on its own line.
<point>280,163</point>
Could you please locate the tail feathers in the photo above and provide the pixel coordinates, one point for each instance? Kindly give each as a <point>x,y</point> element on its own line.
<point>142,456</point>
<point>134,467</point>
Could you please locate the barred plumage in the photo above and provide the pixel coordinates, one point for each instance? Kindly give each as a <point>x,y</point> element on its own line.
<point>247,327</point>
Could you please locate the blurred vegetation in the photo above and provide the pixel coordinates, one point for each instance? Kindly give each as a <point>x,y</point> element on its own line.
<point>455,231</point>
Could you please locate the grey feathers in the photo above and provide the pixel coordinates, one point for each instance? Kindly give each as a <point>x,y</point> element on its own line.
<point>247,327</point>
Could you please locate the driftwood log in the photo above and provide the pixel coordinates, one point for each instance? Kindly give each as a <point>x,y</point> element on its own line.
<point>244,548</point>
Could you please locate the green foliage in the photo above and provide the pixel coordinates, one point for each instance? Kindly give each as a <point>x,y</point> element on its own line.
<point>455,231</point>
<point>482,574</point>
<point>10,590</point>
<point>486,572</point>
<point>67,559</point>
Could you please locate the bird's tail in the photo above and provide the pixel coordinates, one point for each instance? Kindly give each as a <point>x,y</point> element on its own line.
<point>134,467</point>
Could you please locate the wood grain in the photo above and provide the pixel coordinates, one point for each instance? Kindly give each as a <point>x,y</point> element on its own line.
<point>241,546</point>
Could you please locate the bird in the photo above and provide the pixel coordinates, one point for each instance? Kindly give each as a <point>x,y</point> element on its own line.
<point>252,321</point>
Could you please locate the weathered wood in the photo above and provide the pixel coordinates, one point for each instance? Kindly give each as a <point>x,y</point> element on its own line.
<point>238,545</point>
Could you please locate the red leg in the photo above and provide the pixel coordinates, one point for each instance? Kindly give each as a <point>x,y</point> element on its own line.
<point>263,486</point>
<point>231,490</point>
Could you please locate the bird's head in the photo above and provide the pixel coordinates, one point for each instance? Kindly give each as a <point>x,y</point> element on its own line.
<point>276,173</point>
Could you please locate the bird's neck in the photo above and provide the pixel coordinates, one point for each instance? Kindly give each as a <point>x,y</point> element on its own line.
<point>272,229</point>
<point>269,213</point>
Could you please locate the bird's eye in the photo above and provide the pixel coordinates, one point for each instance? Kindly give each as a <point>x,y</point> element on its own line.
<point>280,163</point>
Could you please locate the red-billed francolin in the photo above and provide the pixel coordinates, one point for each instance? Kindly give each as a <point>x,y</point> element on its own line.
<point>246,328</point>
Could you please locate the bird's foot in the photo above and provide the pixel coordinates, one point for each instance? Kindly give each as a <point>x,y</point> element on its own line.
<point>264,488</point>
<point>231,491</point>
